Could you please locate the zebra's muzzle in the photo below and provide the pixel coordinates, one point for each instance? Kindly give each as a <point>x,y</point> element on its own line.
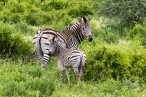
<point>90,38</point>
<point>49,53</point>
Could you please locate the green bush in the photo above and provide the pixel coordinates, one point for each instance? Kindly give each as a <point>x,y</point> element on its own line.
<point>51,4</point>
<point>24,28</point>
<point>4,15</point>
<point>104,36</point>
<point>79,9</point>
<point>24,80</point>
<point>126,10</point>
<point>57,5</point>
<point>124,60</point>
<point>42,12</point>
<point>12,43</point>
<point>110,30</point>
<point>138,33</point>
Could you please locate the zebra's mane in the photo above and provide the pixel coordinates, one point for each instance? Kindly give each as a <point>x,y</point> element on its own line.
<point>77,34</point>
<point>50,29</point>
<point>72,33</point>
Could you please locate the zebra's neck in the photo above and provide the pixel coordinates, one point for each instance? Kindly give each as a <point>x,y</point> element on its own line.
<point>76,28</point>
<point>71,36</point>
<point>64,35</point>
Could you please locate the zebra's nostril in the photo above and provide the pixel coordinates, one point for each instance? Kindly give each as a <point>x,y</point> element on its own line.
<point>50,53</point>
<point>90,38</point>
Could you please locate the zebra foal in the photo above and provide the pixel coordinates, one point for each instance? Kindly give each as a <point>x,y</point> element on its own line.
<point>73,57</point>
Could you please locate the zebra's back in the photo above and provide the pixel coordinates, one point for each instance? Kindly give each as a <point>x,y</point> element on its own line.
<point>73,56</point>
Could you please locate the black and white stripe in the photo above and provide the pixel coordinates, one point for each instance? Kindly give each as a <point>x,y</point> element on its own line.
<point>44,45</point>
<point>70,37</point>
<point>73,57</point>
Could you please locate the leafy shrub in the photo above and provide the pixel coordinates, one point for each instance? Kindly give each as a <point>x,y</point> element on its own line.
<point>124,60</point>
<point>127,10</point>
<point>79,9</point>
<point>138,33</point>
<point>110,30</point>
<point>51,5</point>
<point>4,15</point>
<point>12,43</point>
<point>24,80</point>
<point>57,5</point>
<point>43,12</point>
<point>24,28</point>
<point>104,36</point>
<point>31,16</point>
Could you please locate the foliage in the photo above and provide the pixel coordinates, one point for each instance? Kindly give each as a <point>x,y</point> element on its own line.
<point>39,12</point>
<point>24,28</point>
<point>123,60</point>
<point>24,80</point>
<point>138,33</point>
<point>12,43</point>
<point>110,30</point>
<point>104,36</point>
<point>80,9</point>
<point>30,80</point>
<point>115,65</point>
<point>125,10</point>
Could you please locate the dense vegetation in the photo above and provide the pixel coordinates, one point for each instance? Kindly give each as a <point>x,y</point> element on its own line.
<point>116,59</point>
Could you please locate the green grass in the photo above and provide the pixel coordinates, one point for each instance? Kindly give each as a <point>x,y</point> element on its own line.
<point>27,79</point>
<point>18,78</point>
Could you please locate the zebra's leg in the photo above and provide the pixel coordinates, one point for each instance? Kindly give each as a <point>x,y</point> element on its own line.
<point>60,67</point>
<point>45,59</point>
<point>81,67</point>
<point>68,74</point>
<point>40,58</point>
<point>76,71</point>
<point>81,73</point>
<point>47,48</point>
<point>76,67</point>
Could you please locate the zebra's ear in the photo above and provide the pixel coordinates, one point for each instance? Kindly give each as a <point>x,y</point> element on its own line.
<point>81,20</point>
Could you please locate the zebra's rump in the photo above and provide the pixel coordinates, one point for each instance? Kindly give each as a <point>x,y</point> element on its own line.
<point>73,56</point>
<point>44,33</point>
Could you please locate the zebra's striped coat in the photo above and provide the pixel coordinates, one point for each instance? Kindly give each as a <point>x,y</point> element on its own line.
<point>44,45</point>
<point>73,57</point>
<point>70,37</point>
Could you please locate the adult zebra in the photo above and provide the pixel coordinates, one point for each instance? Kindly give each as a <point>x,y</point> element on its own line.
<point>71,36</point>
<point>81,29</point>
<point>73,57</point>
<point>44,45</point>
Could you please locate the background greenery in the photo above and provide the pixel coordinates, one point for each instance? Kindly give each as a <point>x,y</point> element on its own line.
<point>116,59</point>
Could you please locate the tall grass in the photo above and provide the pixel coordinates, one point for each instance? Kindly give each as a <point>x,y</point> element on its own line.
<point>30,80</point>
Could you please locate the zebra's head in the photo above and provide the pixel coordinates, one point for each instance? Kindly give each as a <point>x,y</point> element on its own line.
<point>52,44</point>
<point>85,28</point>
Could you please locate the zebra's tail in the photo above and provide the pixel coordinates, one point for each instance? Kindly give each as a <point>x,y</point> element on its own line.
<point>32,56</point>
<point>83,63</point>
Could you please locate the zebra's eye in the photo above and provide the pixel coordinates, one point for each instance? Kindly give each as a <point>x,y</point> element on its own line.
<point>83,28</point>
